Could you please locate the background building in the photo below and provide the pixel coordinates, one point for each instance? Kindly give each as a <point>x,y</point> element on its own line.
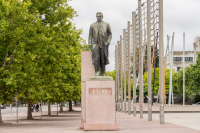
<point>190,56</point>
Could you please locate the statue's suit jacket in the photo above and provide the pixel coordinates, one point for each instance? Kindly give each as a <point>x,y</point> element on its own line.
<point>105,36</point>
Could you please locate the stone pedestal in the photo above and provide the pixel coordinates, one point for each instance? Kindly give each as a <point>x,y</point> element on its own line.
<point>87,71</point>
<point>100,104</point>
<point>97,98</point>
<point>101,78</point>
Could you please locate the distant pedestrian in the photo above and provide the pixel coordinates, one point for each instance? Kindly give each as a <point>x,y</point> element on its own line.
<point>40,106</point>
<point>32,107</point>
<point>37,107</point>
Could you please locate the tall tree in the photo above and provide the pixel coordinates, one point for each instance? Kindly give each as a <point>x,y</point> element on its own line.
<point>41,50</point>
<point>16,29</point>
<point>192,80</point>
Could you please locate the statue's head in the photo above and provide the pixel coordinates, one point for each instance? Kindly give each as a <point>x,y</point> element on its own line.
<point>99,16</point>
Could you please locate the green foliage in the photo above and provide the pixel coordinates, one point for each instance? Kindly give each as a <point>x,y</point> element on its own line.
<point>85,47</point>
<point>111,74</point>
<point>192,80</point>
<point>156,84</point>
<point>40,51</point>
<point>197,98</point>
<point>145,87</point>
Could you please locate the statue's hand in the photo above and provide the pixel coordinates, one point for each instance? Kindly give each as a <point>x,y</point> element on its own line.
<point>90,46</point>
<point>107,43</point>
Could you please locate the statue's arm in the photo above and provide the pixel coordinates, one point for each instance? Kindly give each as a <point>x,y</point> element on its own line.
<point>90,37</point>
<point>109,34</point>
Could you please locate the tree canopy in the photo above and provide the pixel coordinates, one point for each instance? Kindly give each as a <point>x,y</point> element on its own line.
<point>111,74</point>
<point>39,51</point>
<point>192,81</point>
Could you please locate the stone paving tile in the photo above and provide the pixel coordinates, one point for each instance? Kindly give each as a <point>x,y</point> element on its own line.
<point>190,120</point>
<point>68,122</point>
<point>143,125</point>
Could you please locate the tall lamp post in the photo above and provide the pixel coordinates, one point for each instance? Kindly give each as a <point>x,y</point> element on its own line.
<point>16,105</point>
<point>41,108</point>
<point>57,108</point>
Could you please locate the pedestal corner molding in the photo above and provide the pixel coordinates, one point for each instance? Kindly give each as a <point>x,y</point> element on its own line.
<point>101,78</point>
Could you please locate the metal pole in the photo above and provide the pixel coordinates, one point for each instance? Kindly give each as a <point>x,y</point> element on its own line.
<point>118,71</point>
<point>170,81</point>
<point>183,69</point>
<point>141,62</point>
<point>115,77</point>
<point>154,53</point>
<point>57,108</point>
<point>121,53</point>
<point>167,51</point>
<point>172,96</point>
<point>158,94</point>
<point>16,105</point>
<point>168,47</point>
<point>149,58</point>
<point>161,66</point>
<point>168,38</point>
<point>171,65</point>
<point>172,68</point>
<point>129,76</point>
<point>155,68</point>
<point>41,108</point>
<point>124,43</point>
<point>11,109</point>
<point>164,77</point>
<point>115,73</point>
<point>134,74</point>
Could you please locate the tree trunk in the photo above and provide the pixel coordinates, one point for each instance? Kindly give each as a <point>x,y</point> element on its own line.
<point>70,105</point>
<point>61,107</point>
<point>49,108</point>
<point>0,115</point>
<point>29,115</point>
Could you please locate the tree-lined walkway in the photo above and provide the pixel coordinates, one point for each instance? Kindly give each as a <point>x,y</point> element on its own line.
<point>68,122</point>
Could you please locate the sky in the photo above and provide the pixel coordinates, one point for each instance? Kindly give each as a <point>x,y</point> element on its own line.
<point>180,16</point>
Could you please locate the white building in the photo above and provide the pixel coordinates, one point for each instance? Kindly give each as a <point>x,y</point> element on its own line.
<point>196,44</point>
<point>190,56</point>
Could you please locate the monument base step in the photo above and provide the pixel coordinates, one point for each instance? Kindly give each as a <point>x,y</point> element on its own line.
<point>100,127</point>
<point>81,125</point>
<point>101,78</point>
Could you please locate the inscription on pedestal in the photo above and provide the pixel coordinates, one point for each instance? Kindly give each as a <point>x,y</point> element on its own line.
<point>100,91</point>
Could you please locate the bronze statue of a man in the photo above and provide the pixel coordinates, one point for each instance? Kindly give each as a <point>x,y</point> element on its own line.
<point>99,40</point>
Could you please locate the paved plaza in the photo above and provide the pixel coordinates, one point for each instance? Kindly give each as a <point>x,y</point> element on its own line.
<point>169,109</point>
<point>68,122</point>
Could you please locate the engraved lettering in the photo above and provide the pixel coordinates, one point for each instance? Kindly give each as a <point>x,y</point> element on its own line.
<point>100,91</point>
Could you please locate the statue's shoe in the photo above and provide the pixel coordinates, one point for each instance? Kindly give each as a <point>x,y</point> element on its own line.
<point>97,74</point>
